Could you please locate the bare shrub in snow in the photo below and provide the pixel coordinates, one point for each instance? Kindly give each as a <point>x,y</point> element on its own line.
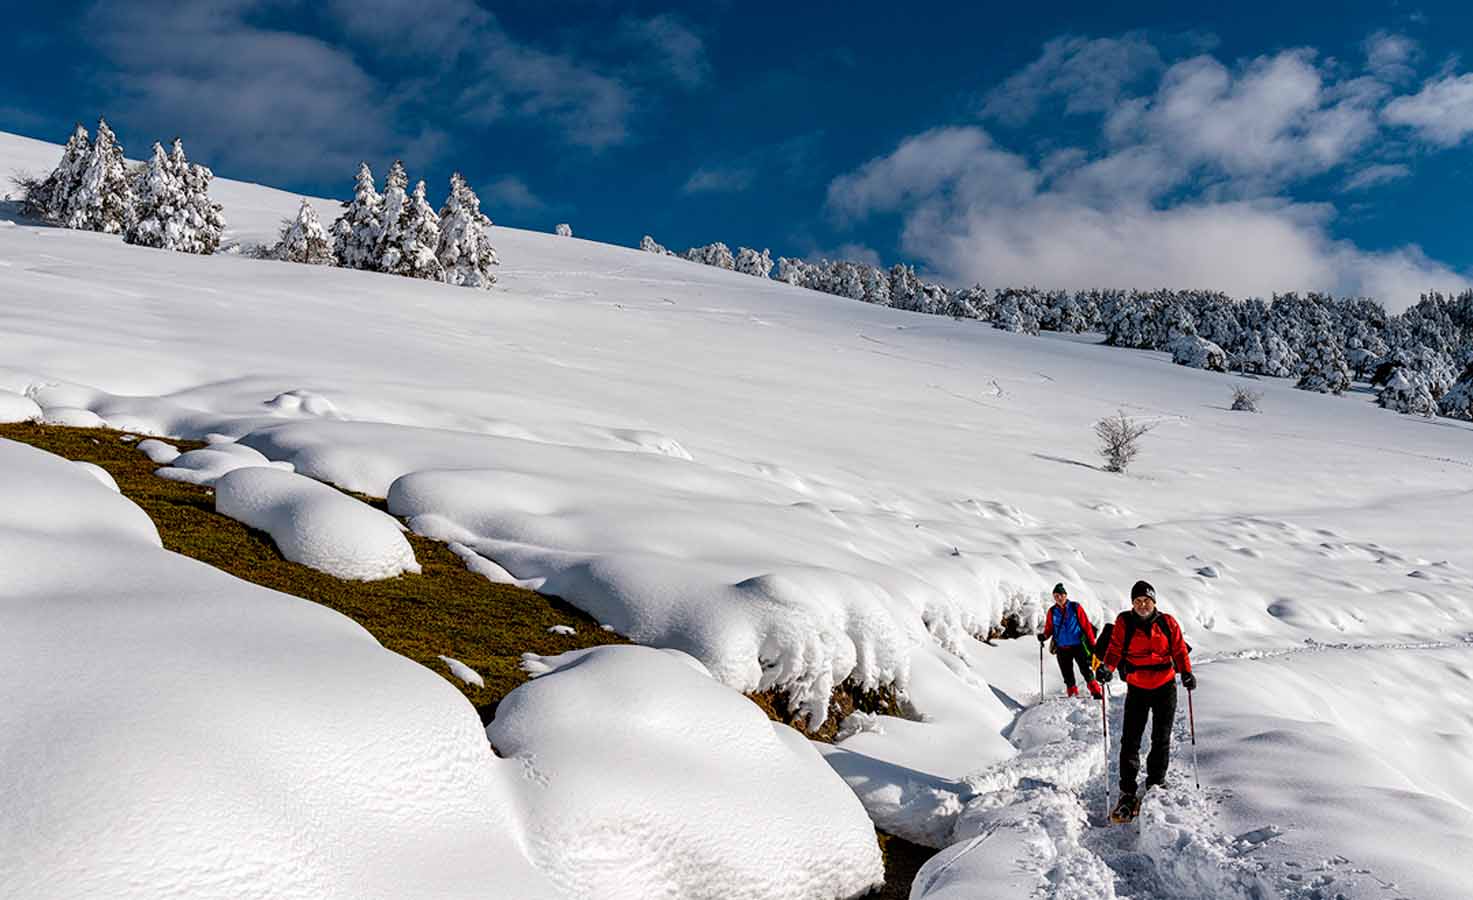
<point>1120,440</point>
<point>1245,399</point>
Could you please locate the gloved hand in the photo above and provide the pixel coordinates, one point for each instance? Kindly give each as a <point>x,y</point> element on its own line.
<point>1104,675</point>
<point>1042,637</point>
<point>1189,681</point>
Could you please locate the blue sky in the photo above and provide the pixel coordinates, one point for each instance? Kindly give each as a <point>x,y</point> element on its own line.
<point>1268,146</point>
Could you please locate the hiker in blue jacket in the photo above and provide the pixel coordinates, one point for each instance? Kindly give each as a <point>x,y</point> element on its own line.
<point>1067,623</point>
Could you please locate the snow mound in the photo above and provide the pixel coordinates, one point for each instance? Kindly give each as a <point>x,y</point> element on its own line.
<point>18,408</point>
<point>101,474</point>
<point>316,525</point>
<point>192,735</point>
<point>208,464</point>
<point>158,452</point>
<point>302,402</point>
<point>682,788</point>
<point>564,630</point>
<point>72,417</point>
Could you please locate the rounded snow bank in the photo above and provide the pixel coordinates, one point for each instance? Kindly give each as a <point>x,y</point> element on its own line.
<point>316,525</point>
<point>647,778</point>
<point>207,464</point>
<point>18,408</point>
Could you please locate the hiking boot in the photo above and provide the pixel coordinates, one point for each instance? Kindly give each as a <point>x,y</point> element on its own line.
<point>1094,690</point>
<point>1074,690</point>
<point>1127,809</point>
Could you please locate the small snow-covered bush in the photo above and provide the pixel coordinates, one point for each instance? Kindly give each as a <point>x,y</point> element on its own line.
<point>1407,391</point>
<point>1120,440</point>
<point>650,245</point>
<point>750,262</point>
<point>563,229</point>
<point>1245,400</point>
<point>1198,353</point>
<point>304,240</point>
<point>1457,403</point>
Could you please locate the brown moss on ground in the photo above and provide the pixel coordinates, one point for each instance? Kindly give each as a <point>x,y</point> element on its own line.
<point>445,610</point>
<point>845,699</point>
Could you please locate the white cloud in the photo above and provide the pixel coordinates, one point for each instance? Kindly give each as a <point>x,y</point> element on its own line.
<point>1442,112</point>
<point>1089,74</point>
<point>1186,186</point>
<point>679,51</point>
<point>717,180</point>
<point>1372,176</point>
<point>977,213</point>
<point>1389,56</point>
<point>511,192</point>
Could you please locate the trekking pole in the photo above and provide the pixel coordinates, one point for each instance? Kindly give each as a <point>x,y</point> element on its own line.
<point>1105,728</point>
<point>1040,671</point>
<point>1192,720</point>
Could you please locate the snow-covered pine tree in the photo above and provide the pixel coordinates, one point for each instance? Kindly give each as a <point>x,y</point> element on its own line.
<point>202,220</point>
<point>1457,403</point>
<point>304,240</point>
<point>159,205</point>
<point>793,271</point>
<point>875,283</point>
<point>1406,392</point>
<point>563,229</point>
<point>413,239</point>
<point>465,250</point>
<point>716,254</point>
<point>1323,367</point>
<point>750,262</point>
<point>103,199</point>
<point>356,232</point>
<point>905,287</point>
<point>650,245</point>
<point>47,198</point>
<point>395,217</point>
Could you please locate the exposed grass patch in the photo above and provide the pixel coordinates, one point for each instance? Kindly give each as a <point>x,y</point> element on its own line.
<point>445,610</point>
<point>902,861</point>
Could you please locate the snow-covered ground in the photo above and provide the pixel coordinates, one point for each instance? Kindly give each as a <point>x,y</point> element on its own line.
<point>793,489</point>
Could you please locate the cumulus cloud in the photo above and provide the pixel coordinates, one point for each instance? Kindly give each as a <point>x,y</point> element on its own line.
<point>678,51</point>
<point>716,180</point>
<point>1187,184</point>
<point>1441,112</point>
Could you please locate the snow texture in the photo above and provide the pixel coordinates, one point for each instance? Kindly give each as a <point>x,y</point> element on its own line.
<point>640,742</point>
<point>316,525</point>
<point>18,408</point>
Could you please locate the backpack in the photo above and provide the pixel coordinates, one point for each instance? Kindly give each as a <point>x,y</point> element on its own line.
<point>1131,624</point>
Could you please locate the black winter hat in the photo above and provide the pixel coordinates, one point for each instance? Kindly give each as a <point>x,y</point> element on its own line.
<point>1142,589</point>
<point>1059,588</point>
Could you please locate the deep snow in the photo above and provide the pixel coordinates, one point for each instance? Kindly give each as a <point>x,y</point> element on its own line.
<point>796,488</point>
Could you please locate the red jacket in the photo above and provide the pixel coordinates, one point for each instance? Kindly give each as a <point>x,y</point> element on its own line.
<point>1162,655</point>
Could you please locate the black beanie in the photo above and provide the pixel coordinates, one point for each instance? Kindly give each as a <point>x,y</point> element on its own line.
<point>1142,589</point>
<point>1059,588</point>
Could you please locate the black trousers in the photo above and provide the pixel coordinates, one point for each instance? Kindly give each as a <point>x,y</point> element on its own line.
<point>1071,656</point>
<point>1160,705</point>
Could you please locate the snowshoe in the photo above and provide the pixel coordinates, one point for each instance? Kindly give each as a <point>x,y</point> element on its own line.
<point>1126,810</point>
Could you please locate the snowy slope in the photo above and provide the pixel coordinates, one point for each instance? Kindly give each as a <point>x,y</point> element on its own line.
<point>798,489</point>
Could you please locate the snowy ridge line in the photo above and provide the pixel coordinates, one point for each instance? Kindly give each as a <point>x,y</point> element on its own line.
<point>1313,646</point>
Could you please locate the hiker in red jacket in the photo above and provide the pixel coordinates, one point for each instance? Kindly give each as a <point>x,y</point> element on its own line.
<point>1073,636</point>
<point>1147,645</point>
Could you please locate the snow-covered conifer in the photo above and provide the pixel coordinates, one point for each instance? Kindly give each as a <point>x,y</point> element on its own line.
<point>563,229</point>
<point>1323,367</point>
<point>905,287</point>
<point>1457,403</point>
<point>1197,353</point>
<point>795,272</point>
<point>203,220</point>
<point>356,232</point>
<point>103,199</point>
<point>410,241</point>
<point>465,249</point>
<point>716,254</point>
<point>48,198</point>
<point>650,245</point>
<point>304,240</point>
<point>750,262</point>
<point>395,217</point>
<point>1406,392</point>
<point>875,284</point>
<point>159,205</point>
